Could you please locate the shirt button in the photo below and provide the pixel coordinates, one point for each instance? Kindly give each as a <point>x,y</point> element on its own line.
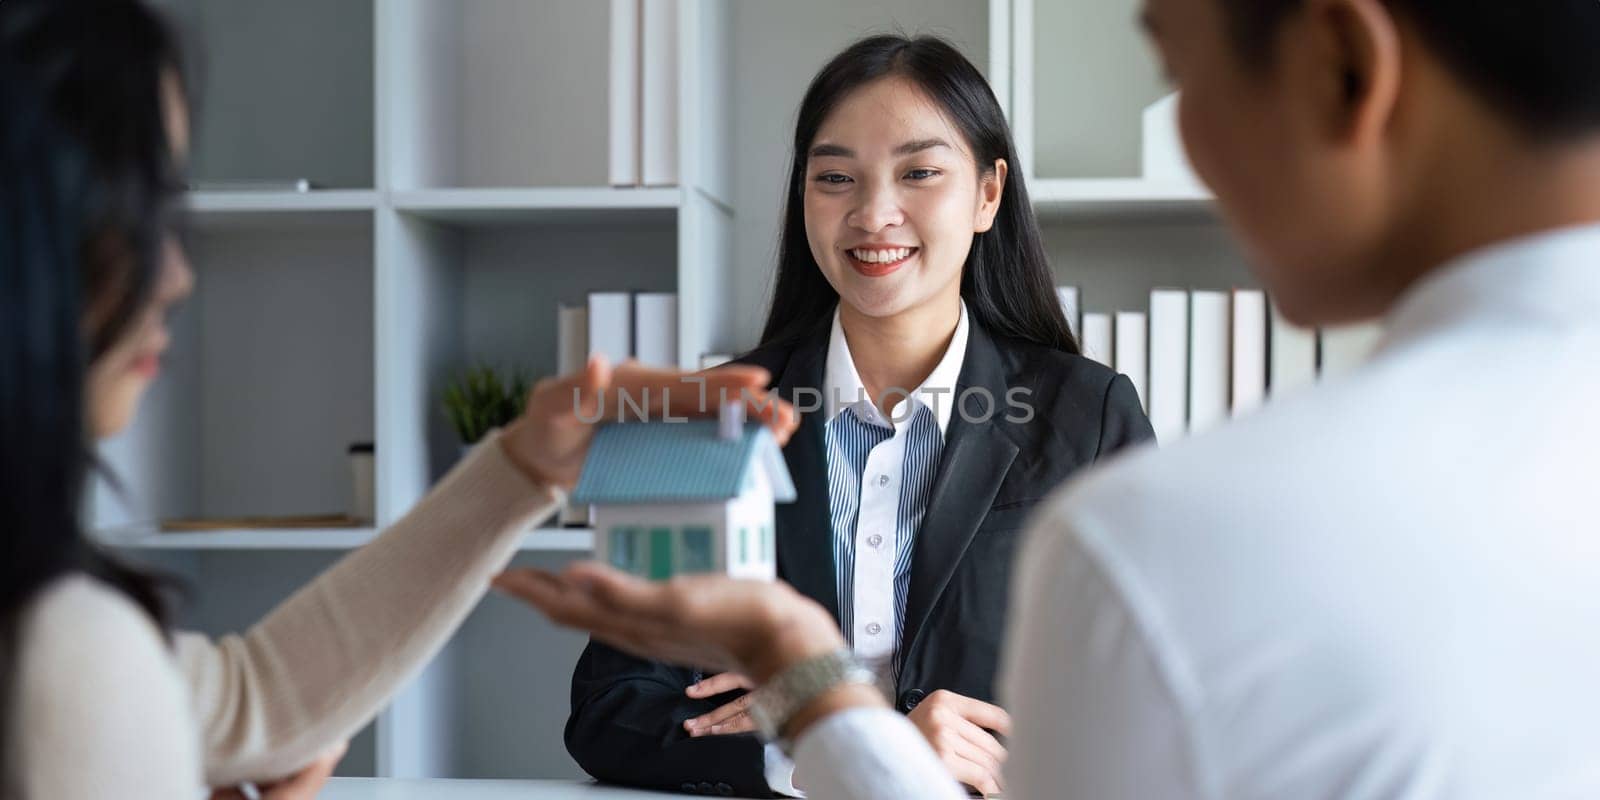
<point>883,480</point>
<point>874,628</point>
<point>874,540</point>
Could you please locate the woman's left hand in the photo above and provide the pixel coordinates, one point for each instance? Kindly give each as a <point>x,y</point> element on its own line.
<point>729,718</point>
<point>549,441</point>
<point>757,628</point>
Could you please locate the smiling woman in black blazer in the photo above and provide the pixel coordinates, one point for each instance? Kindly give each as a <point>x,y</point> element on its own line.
<point>916,326</point>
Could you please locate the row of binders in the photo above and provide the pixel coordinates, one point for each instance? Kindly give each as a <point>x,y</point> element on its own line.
<point>619,326</point>
<point>643,91</point>
<point>1198,357</point>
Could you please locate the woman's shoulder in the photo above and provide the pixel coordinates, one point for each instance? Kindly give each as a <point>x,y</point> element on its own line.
<point>96,679</point>
<point>1034,362</point>
<point>774,357</point>
<point>76,609</point>
<point>1074,393</point>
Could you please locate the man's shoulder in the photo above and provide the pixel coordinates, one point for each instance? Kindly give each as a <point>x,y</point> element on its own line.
<point>1257,476</point>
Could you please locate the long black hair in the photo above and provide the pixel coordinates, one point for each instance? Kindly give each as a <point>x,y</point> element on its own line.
<point>88,188</point>
<point>1006,282</point>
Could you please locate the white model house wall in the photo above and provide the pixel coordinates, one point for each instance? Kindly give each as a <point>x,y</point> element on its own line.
<point>752,510</point>
<point>676,516</point>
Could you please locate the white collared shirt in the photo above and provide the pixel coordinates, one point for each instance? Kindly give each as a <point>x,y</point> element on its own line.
<point>1387,586</point>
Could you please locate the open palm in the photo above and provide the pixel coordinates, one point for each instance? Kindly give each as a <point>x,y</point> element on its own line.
<point>706,621</point>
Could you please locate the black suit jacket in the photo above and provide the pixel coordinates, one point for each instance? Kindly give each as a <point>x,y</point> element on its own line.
<point>627,715</point>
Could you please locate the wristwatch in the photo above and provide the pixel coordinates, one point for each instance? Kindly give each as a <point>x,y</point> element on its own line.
<point>777,701</point>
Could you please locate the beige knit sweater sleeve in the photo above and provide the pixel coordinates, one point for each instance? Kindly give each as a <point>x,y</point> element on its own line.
<point>325,661</point>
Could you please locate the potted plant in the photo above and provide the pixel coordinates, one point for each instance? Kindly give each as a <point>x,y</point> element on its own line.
<point>481,400</point>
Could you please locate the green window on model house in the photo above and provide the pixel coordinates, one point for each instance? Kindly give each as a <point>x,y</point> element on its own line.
<point>660,553</point>
<point>695,554</point>
<point>625,551</point>
<point>744,545</point>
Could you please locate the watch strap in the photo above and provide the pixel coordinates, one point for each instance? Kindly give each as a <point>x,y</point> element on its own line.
<point>782,697</point>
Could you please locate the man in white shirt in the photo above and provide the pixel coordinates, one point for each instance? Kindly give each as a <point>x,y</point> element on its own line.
<point>1387,586</point>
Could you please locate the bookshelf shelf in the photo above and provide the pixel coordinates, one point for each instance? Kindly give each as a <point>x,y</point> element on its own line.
<point>552,205</point>
<point>552,540</point>
<point>1118,198</point>
<point>247,210</point>
<point>253,539</point>
<point>212,202</point>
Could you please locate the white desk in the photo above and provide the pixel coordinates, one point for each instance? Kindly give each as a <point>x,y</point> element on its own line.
<point>398,789</point>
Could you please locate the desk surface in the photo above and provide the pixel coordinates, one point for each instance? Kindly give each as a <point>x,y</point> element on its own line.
<point>398,789</point>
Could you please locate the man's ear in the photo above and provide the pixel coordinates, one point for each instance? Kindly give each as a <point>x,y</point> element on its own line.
<point>990,189</point>
<point>1355,77</point>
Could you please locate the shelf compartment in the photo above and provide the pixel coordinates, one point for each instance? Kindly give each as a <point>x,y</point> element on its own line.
<point>1082,77</point>
<point>266,384</point>
<point>467,85</point>
<point>286,90</point>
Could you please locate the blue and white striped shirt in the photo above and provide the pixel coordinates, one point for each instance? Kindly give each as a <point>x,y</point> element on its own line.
<point>880,477</point>
<point>851,445</point>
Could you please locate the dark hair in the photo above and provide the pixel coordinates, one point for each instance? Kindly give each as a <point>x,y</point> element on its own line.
<point>87,188</point>
<point>1006,281</point>
<point>1537,62</point>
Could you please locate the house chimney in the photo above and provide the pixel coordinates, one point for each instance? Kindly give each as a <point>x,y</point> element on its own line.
<point>730,422</point>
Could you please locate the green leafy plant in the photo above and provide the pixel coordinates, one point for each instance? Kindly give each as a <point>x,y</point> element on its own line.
<point>481,400</point>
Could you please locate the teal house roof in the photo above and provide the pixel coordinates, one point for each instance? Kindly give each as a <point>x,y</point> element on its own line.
<point>678,462</point>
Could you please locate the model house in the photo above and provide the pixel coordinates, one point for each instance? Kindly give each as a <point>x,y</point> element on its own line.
<point>673,498</point>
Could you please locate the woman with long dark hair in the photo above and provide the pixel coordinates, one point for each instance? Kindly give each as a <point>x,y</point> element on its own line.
<point>99,698</point>
<point>915,316</point>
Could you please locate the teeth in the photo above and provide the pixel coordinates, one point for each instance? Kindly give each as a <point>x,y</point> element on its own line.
<point>877,256</point>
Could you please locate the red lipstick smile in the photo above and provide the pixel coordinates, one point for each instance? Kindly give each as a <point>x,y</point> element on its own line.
<point>876,261</point>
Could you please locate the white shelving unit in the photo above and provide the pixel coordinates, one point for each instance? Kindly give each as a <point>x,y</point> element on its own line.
<point>463,147</point>
<point>462,150</point>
